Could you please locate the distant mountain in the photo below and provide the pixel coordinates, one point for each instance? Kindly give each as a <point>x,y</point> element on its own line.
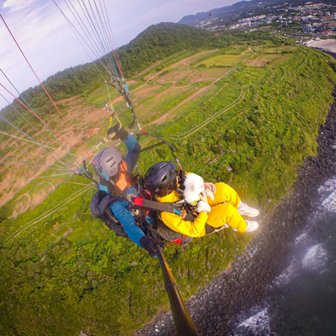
<point>237,8</point>
<point>241,9</point>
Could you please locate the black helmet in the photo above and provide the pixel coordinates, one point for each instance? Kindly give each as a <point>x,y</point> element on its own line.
<point>106,163</point>
<point>161,178</point>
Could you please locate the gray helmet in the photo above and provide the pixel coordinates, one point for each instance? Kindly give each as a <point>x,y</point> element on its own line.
<point>106,163</point>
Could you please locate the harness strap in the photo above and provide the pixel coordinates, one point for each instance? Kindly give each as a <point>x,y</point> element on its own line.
<point>152,205</point>
<point>113,188</point>
<point>163,207</point>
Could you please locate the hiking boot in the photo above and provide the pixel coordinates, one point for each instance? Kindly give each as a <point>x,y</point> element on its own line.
<point>247,211</point>
<point>251,226</point>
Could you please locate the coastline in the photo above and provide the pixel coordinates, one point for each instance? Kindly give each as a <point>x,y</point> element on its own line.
<point>326,45</point>
<point>215,308</point>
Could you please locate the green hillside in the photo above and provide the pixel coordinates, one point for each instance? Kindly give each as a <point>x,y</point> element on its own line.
<point>155,43</point>
<point>160,41</point>
<point>243,109</point>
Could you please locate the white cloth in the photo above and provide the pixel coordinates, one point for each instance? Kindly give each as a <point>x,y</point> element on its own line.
<point>193,186</point>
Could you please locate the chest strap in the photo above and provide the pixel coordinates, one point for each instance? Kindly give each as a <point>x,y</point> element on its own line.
<point>174,208</point>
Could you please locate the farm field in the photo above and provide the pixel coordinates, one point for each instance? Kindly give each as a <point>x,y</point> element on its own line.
<point>247,115</point>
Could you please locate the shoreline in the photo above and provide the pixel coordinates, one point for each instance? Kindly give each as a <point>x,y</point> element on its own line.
<point>328,45</point>
<point>215,307</point>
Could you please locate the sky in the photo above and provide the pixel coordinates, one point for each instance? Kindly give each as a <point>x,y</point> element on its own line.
<point>50,45</point>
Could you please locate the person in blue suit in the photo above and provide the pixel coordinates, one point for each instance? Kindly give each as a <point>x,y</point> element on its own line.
<point>115,171</point>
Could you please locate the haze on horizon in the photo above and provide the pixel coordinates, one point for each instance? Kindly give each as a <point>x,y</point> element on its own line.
<point>51,46</point>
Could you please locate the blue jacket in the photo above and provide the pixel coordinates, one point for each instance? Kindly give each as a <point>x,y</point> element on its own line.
<point>121,208</point>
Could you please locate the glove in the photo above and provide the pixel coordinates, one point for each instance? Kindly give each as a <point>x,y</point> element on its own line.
<point>117,132</point>
<point>151,245</point>
<point>203,205</point>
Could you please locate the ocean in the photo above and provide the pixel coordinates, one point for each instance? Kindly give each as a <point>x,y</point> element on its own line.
<point>301,300</point>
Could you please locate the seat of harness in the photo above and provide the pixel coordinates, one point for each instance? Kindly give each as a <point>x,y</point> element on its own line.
<point>99,207</point>
<point>100,202</point>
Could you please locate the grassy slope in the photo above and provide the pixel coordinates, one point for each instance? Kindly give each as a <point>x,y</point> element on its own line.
<point>63,272</point>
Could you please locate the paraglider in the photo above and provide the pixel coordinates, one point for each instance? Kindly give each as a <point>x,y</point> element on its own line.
<point>131,208</point>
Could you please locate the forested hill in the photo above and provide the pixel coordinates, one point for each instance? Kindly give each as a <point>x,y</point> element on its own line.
<point>241,9</point>
<point>155,43</point>
<point>159,41</point>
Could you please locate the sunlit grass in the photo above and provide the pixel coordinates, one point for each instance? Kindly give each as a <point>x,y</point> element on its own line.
<point>55,256</point>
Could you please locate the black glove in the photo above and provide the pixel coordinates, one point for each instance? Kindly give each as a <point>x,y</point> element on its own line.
<point>117,132</point>
<point>151,245</point>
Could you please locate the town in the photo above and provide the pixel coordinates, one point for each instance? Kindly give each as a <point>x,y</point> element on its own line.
<point>309,19</point>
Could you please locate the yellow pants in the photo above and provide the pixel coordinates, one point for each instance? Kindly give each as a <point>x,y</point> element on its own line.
<point>224,208</point>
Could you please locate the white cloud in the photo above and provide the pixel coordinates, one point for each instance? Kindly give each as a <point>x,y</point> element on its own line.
<point>17,5</point>
<point>35,28</point>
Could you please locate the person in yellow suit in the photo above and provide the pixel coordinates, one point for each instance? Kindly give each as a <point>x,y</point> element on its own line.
<point>221,208</point>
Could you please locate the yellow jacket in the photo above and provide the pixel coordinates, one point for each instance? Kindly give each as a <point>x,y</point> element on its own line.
<point>223,212</point>
<point>178,224</point>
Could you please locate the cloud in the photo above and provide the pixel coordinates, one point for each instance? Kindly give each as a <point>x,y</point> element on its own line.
<point>34,24</point>
<point>17,5</point>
